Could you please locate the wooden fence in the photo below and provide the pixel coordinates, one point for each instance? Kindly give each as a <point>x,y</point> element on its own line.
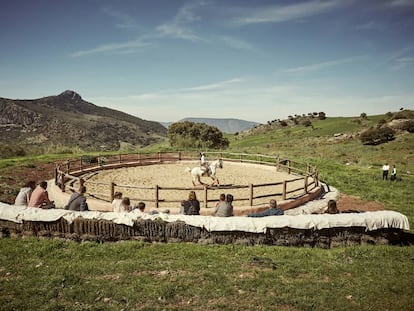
<point>71,171</point>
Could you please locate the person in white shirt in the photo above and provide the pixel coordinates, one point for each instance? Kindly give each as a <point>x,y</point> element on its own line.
<point>385,170</point>
<point>23,197</point>
<point>117,202</point>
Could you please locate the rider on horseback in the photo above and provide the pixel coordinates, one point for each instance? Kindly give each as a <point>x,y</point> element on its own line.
<point>204,163</point>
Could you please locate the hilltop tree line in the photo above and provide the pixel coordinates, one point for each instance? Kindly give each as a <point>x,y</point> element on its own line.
<point>304,118</point>
<point>188,134</point>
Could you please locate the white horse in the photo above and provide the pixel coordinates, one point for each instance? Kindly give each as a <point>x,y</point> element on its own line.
<point>199,171</point>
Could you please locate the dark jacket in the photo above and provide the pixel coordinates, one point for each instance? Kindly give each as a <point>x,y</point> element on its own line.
<point>77,202</point>
<point>191,207</point>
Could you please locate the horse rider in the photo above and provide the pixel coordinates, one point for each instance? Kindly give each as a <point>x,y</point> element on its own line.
<point>203,162</point>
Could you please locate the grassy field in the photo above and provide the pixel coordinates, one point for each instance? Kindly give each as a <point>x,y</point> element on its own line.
<point>59,275</point>
<point>132,275</point>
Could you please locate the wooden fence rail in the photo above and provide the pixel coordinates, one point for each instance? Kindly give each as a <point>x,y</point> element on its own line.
<point>71,171</point>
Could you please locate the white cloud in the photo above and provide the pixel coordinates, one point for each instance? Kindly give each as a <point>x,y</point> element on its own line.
<point>236,43</point>
<point>120,48</point>
<point>241,99</point>
<point>390,61</point>
<point>179,27</point>
<point>323,65</point>
<point>125,21</point>
<point>214,86</point>
<point>401,3</point>
<point>402,63</point>
<point>370,26</point>
<point>278,13</point>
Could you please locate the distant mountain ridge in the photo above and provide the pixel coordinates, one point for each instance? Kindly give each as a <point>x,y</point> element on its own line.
<point>66,119</point>
<point>229,126</point>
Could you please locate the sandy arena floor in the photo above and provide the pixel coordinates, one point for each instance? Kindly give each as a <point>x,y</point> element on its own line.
<point>128,180</point>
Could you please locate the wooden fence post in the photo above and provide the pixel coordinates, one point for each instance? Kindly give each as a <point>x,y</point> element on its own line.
<point>306,184</point>
<point>112,191</point>
<point>277,163</point>
<point>120,158</point>
<point>205,196</point>
<point>56,175</point>
<point>179,156</point>
<point>157,189</point>
<point>288,165</point>
<point>67,166</point>
<point>284,190</point>
<point>316,176</point>
<point>251,194</point>
<point>62,182</point>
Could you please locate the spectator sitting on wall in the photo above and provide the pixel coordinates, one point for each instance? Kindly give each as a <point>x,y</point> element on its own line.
<point>77,201</point>
<point>192,205</point>
<point>40,197</point>
<point>225,209</point>
<point>140,207</point>
<point>23,197</point>
<point>333,209</point>
<point>117,201</point>
<point>125,205</point>
<point>272,211</point>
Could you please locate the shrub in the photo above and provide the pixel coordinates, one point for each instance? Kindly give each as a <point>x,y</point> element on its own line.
<point>404,114</point>
<point>306,122</point>
<point>376,136</point>
<point>321,115</point>
<point>9,151</point>
<point>407,126</point>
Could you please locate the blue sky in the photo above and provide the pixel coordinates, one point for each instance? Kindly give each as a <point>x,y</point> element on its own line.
<point>164,60</point>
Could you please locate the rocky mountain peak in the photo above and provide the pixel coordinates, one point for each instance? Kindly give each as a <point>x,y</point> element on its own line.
<point>71,94</point>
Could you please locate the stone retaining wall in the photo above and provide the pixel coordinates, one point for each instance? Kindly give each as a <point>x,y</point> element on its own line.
<point>159,231</point>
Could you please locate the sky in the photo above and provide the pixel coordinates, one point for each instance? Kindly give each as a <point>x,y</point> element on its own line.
<point>164,60</point>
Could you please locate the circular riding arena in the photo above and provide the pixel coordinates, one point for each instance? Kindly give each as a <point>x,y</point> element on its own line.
<point>166,183</point>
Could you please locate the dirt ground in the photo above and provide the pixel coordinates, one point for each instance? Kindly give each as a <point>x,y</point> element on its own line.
<point>11,179</point>
<point>138,183</point>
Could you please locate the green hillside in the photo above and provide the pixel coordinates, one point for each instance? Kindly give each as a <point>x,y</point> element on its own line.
<point>343,161</point>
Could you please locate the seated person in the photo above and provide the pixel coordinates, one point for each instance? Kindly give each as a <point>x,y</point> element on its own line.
<point>125,205</point>
<point>23,197</point>
<point>222,198</point>
<point>40,197</point>
<point>192,205</point>
<point>272,211</point>
<point>140,207</point>
<point>225,208</point>
<point>332,208</point>
<point>116,203</point>
<point>77,201</point>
